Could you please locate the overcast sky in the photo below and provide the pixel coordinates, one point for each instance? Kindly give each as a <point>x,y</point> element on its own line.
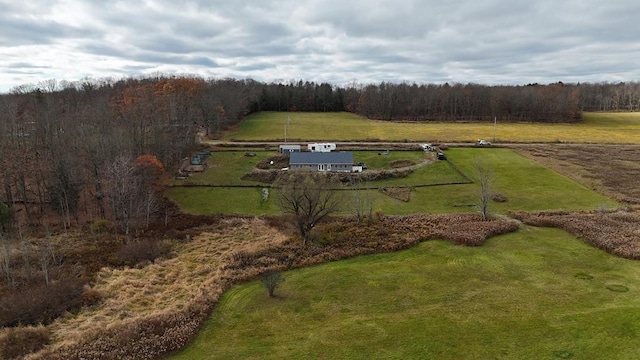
<point>336,41</point>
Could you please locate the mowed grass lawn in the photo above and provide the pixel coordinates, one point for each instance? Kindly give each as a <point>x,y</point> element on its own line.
<point>615,128</point>
<point>525,184</point>
<point>535,294</point>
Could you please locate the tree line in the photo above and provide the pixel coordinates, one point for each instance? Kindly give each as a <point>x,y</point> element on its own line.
<point>557,102</point>
<point>97,149</point>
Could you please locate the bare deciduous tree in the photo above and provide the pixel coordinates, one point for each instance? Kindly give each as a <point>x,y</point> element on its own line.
<point>122,184</point>
<point>24,246</point>
<point>5,260</point>
<point>309,197</point>
<point>485,180</point>
<point>362,198</point>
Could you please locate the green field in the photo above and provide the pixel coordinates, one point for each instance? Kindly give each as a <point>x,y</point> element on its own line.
<point>534,294</point>
<point>526,185</point>
<point>614,128</point>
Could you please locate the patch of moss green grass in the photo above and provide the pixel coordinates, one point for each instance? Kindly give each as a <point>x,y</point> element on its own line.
<point>227,168</point>
<point>614,128</point>
<point>516,297</point>
<point>526,184</point>
<point>223,200</point>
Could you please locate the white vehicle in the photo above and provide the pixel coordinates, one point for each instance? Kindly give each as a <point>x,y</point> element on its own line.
<point>483,142</point>
<point>426,147</point>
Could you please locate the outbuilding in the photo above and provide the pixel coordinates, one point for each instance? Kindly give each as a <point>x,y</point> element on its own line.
<point>286,149</point>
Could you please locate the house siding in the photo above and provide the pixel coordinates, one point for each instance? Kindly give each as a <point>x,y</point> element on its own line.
<point>335,162</point>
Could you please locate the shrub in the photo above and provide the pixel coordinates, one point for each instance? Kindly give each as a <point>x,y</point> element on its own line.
<point>41,303</point>
<point>100,226</point>
<point>18,342</point>
<point>138,251</point>
<point>270,280</point>
<point>90,296</point>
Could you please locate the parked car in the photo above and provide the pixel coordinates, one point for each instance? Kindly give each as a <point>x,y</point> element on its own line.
<point>426,147</point>
<point>441,155</point>
<point>483,142</point>
<point>363,166</point>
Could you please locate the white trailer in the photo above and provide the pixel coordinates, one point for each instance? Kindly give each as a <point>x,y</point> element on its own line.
<point>321,147</point>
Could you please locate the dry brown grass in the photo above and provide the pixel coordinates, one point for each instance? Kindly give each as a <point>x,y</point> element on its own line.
<point>151,311</point>
<point>398,193</point>
<point>616,232</point>
<point>18,342</point>
<point>611,170</point>
<point>166,286</point>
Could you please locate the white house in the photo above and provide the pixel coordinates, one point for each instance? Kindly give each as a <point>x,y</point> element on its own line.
<point>321,147</point>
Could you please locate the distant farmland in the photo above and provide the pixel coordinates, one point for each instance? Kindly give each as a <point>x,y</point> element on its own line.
<point>605,128</point>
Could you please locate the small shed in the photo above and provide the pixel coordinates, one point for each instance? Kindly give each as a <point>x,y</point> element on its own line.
<point>341,161</point>
<point>285,149</point>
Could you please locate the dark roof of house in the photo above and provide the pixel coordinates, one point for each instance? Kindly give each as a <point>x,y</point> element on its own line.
<point>303,158</point>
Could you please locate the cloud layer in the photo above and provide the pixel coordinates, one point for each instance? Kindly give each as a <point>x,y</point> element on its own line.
<point>489,41</point>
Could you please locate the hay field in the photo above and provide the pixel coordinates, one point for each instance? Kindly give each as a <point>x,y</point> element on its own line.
<point>605,128</point>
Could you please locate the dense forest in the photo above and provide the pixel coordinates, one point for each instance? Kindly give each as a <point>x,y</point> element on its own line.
<point>556,102</point>
<point>99,149</point>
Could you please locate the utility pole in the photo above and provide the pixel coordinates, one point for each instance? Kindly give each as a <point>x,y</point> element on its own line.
<point>495,121</point>
<point>286,126</point>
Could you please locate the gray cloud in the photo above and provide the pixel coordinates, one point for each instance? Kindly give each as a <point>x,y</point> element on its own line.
<point>338,41</point>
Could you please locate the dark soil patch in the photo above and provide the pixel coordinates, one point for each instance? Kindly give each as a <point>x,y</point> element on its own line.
<point>401,163</point>
<point>398,193</point>
<point>274,162</point>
